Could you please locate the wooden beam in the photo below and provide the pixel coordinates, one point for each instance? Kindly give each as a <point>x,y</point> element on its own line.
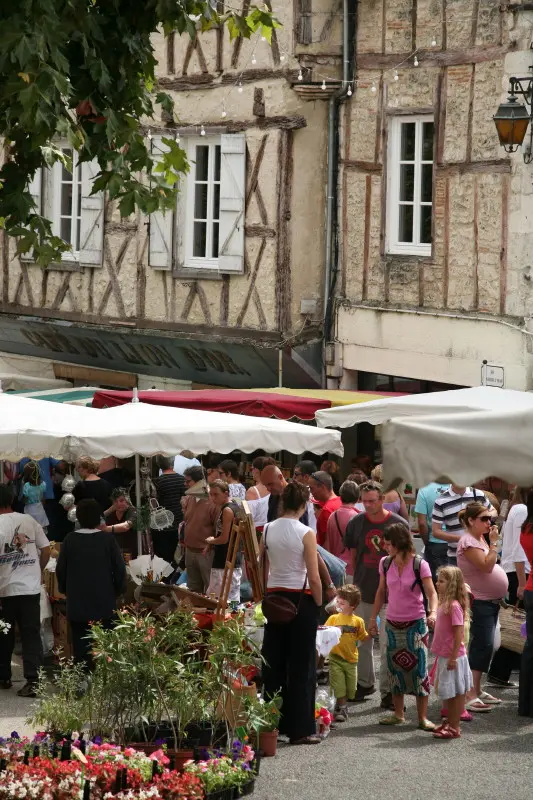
<point>70,372</point>
<point>259,232</point>
<point>446,259</point>
<point>304,28</point>
<point>502,165</point>
<point>476,245</point>
<point>234,126</point>
<point>438,58</point>
<point>366,240</point>
<point>409,112</point>
<point>283,288</point>
<point>202,80</point>
<point>504,241</point>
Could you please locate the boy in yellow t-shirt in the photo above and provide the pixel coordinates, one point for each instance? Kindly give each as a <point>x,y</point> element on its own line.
<point>344,656</point>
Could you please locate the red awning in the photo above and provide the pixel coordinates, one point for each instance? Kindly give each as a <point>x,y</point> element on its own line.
<point>233,401</point>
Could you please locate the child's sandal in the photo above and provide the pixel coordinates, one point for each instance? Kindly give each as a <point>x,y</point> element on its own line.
<point>447,733</point>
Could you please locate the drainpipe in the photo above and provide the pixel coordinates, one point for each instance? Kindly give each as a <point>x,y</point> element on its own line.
<point>349,32</point>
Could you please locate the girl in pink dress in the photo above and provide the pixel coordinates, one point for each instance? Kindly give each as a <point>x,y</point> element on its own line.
<point>452,675</point>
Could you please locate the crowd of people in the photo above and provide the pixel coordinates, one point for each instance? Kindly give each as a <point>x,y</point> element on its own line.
<point>340,552</point>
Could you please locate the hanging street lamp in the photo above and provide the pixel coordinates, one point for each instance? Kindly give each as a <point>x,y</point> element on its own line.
<point>513,117</point>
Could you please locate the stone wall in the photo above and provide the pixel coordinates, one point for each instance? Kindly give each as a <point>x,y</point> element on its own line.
<point>482,198</point>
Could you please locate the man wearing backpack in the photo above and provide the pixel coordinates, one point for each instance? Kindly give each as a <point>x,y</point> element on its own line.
<point>364,538</point>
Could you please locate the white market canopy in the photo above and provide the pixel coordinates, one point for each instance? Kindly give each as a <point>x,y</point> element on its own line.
<point>37,428</point>
<point>461,447</point>
<point>477,398</point>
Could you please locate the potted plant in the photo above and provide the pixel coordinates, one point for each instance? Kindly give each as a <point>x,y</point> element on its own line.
<point>223,776</point>
<point>231,653</point>
<point>263,721</point>
<point>61,706</point>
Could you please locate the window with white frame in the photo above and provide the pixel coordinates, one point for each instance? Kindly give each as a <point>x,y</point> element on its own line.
<point>206,233</point>
<point>77,216</point>
<point>66,215</point>
<point>204,203</point>
<point>410,186</point>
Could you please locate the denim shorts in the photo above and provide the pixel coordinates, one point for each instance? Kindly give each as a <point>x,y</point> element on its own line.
<point>482,631</point>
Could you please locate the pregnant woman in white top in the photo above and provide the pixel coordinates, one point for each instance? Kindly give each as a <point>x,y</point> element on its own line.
<point>289,649</point>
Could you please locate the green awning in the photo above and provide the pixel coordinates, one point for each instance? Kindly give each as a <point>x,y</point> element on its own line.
<point>81,397</point>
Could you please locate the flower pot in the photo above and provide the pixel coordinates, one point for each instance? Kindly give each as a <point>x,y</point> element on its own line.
<point>245,790</point>
<point>144,747</point>
<point>178,758</point>
<point>268,743</point>
<point>202,730</point>
<point>234,710</point>
<point>221,794</point>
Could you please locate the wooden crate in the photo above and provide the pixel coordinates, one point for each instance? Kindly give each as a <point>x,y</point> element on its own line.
<point>61,630</point>
<point>50,583</point>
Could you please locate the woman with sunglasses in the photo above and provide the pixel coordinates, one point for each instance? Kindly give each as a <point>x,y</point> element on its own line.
<point>488,584</point>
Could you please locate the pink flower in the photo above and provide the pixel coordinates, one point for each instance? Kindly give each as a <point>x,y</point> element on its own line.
<point>129,752</point>
<point>160,756</point>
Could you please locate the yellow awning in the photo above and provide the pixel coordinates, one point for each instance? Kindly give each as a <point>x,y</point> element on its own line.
<point>337,397</point>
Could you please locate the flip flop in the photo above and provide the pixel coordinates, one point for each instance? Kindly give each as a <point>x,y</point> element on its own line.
<point>466,716</point>
<point>426,725</point>
<point>392,720</point>
<point>447,733</point>
<point>489,700</point>
<point>478,706</point>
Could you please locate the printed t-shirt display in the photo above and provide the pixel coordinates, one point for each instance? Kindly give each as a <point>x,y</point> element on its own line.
<point>366,537</point>
<point>21,539</point>
<point>353,631</point>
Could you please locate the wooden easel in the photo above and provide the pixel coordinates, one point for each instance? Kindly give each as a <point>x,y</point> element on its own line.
<point>243,530</point>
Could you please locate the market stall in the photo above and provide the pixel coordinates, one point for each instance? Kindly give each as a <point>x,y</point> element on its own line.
<point>39,429</point>
<point>477,398</point>
<point>461,447</point>
<point>280,403</point>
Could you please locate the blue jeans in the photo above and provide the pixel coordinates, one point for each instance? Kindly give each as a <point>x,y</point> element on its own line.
<point>435,554</point>
<point>482,631</point>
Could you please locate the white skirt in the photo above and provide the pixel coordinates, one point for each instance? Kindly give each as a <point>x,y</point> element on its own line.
<point>215,584</point>
<point>452,682</point>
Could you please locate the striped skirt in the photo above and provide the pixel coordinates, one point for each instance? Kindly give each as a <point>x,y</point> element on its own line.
<point>407,657</point>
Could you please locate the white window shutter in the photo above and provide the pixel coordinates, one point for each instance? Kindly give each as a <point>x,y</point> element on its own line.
<point>160,247</point>
<point>232,194</point>
<point>35,188</point>
<point>92,217</point>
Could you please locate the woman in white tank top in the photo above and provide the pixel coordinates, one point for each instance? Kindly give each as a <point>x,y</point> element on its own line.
<point>289,649</point>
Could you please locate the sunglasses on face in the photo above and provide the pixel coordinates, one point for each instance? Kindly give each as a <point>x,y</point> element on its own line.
<point>486,518</point>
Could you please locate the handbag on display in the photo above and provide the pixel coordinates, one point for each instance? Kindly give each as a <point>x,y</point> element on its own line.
<point>277,609</point>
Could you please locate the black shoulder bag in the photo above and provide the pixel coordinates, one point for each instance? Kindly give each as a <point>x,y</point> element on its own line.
<point>277,609</point>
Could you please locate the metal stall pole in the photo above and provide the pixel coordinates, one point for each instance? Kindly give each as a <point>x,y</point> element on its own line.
<point>135,399</point>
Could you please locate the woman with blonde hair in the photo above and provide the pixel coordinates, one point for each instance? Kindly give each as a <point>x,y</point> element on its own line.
<point>91,486</point>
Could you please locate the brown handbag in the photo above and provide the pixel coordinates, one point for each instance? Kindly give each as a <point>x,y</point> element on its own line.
<point>277,609</point>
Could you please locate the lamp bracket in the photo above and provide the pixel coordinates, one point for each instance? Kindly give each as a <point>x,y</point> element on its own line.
<point>522,87</point>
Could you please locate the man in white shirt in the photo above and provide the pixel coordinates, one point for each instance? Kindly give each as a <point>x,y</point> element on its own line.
<point>185,460</point>
<point>24,553</point>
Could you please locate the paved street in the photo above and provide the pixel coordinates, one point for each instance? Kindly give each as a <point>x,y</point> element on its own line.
<point>360,759</point>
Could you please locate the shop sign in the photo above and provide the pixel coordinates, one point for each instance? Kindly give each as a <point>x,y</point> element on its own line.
<point>217,363</point>
<point>492,376</point>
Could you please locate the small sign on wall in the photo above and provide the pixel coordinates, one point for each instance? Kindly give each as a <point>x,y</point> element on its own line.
<point>492,375</point>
